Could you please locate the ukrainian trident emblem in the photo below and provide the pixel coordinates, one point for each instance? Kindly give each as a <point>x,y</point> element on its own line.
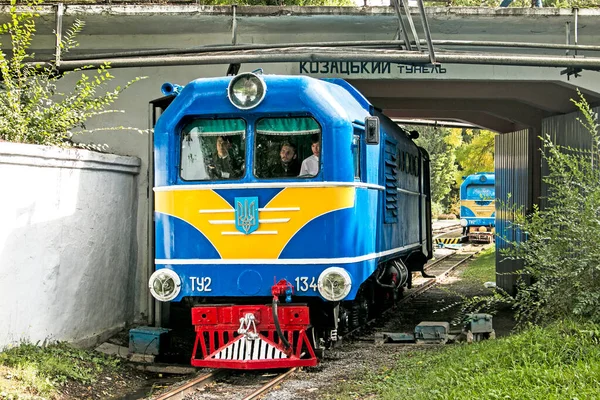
<point>246,214</point>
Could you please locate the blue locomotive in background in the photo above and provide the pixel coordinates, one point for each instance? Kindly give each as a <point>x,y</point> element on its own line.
<point>478,207</point>
<point>287,209</point>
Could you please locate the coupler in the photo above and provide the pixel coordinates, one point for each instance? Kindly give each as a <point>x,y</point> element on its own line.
<point>252,336</point>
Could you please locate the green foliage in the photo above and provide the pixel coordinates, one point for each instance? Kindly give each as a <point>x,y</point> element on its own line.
<point>483,268</point>
<point>561,249</point>
<point>558,362</point>
<point>32,109</point>
<point>521,3</point>
<point>279,2</point>
<point>42,369</point>
<point>440,143</point>
<point>477,154</point>
<point>571,3</point>
<point>480,271</point>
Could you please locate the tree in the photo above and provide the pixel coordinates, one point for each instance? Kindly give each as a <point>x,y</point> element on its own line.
<point>280,2</point>
<point>559,244</point>
<point>521,3</point>
<point>477,154</point>
<point>32,109</point>
<point>561,249</point>
<point>440,143</point>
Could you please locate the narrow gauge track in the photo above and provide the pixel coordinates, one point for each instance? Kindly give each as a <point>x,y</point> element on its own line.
<point>243,385</point>
<point>249,385</point>
<point>446,229</point>
<point>437,270</point>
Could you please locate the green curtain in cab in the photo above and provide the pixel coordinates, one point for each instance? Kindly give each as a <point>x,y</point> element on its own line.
<point>287,126</point>
<point>216,127</point>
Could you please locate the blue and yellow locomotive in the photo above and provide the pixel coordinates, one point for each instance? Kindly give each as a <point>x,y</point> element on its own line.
<point>478,207</point>
<point>272,189</point>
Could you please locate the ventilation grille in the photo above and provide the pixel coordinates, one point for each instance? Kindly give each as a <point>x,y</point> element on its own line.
<point>391,182</point>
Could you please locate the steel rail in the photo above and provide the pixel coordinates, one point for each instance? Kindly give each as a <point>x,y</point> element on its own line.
<point>417,291</point>
<point>313,55</point>
<point>361,43</point>
<point>435,262</point>
<point>443,275</point>
<point>446,232</point>
<point>270,384</point>
<point>446,228</point>
<point>180,392</point>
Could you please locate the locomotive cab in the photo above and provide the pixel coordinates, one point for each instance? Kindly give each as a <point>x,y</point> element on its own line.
<point>284,208</point>
<point>477,207</point>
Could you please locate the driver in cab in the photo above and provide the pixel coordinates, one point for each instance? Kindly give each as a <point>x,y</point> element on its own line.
<point>288,164</point>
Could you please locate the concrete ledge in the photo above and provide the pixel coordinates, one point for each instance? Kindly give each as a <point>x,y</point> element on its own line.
<point>55,157</point>
<point>76,8</point>
<point>98,338</point>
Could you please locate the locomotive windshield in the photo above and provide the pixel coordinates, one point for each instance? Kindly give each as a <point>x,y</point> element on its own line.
<point>287,147</point>
<point>480,192</point>
<point>213,149</point>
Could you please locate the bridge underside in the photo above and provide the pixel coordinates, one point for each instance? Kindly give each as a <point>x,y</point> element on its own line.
<point>501,106</point>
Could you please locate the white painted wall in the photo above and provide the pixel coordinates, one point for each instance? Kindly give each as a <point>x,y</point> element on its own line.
<point>68,251</point>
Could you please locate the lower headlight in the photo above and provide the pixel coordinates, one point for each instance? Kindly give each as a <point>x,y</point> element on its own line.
<point>463,222</point>
<point>334,284</point>
<point>164,284</point>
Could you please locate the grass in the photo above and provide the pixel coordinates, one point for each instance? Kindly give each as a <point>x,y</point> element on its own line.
<point>561,361</point>
<point>32,372</point>
<point>483,268</point>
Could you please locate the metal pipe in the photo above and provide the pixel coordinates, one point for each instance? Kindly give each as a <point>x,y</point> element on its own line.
<point>435,122</point>
<point>152,117</point>
<point>401,26</point>
<point>319,55</point>
<point>233,25</point>
<point>483,43</point>
<point>575,30</point>
<point>411,24</point>
<point>60,10</point>
<point>363,43</point>
<point>568,32</point>
<point>427,32</point>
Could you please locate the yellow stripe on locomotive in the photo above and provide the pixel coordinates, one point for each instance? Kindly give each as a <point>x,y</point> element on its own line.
<point>279,220</point>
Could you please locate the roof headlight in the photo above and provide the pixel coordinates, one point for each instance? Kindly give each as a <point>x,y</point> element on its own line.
<point>334,284</point>
<point>246,90</point>
<point>164,284</point>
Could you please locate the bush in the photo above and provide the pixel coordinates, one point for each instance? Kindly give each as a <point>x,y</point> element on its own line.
<point>32,109</point>
<point>560,278</point>
<point>562,245</point>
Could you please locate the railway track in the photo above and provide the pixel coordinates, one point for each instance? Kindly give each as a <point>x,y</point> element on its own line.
<point>203,386</point>
<point>446,229</point>
<point>437,270</point>
<point>249,385</point>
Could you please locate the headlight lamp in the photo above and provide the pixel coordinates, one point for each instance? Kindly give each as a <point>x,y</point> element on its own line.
<point>334,284</point>
<point>246,90</point>
<point>463,222</point>
<point>164,284</point>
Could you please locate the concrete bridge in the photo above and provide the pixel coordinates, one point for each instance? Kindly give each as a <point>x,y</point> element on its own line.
<point>499,97</point>
<point>509,99</point>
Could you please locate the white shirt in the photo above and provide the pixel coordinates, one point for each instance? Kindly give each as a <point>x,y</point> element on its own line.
<point>310,166</point>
